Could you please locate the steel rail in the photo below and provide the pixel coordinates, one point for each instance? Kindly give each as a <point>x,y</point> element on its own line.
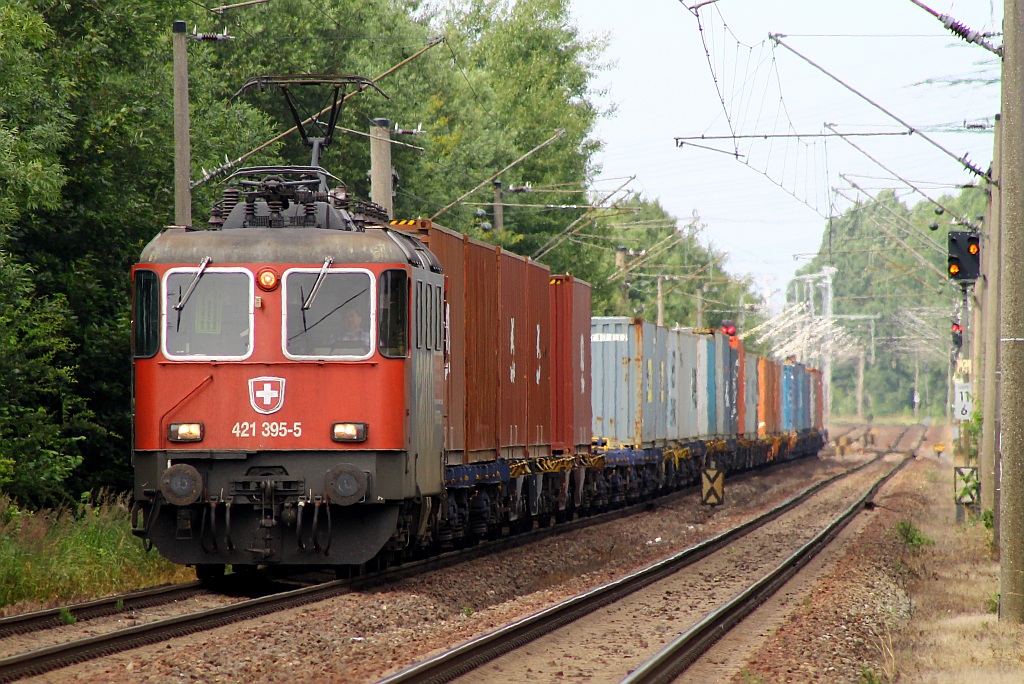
<point>61,655</point>
<point>25,623</point>
<point>675,658</point>
<point>475,653</point>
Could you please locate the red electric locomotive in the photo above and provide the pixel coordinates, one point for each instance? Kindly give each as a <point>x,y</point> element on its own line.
<point>285,389</point>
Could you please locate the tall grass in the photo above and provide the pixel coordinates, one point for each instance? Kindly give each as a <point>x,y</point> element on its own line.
<point>74,553</point>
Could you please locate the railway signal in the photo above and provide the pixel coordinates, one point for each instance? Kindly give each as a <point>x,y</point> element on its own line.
<point>964,262</point>
<point>958,335</point>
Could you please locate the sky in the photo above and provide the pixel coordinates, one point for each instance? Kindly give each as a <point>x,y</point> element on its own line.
<point>668,75</point>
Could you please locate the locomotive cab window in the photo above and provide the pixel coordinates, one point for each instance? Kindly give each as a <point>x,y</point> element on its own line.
<point>208,314</point>
<point>328,314</point>
<point>146,321</point>
<point>394,313</point>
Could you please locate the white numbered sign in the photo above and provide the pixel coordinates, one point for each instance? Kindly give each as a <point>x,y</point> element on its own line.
<point>963,401</point>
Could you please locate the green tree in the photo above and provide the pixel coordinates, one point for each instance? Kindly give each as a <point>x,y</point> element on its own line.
<point>42,418</point>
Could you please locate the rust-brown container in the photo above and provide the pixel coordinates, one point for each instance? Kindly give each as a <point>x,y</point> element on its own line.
<point>513,357</point>
<point>537,355</point>
<point>499,378</point>
<point>570,365</point>
<point>483,391</point>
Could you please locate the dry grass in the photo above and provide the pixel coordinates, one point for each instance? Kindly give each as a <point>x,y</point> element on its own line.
<point>953,636</point>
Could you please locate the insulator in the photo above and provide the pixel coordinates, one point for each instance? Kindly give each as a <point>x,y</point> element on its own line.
<point>231,197</point>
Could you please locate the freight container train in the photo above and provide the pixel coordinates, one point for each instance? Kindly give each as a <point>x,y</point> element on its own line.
<point>462,405</point>
<point>314,385</point>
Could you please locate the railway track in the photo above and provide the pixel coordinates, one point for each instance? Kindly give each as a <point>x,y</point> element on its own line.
<point>666,665</point>
<point>474,654</point>
<point>128,602</point>
<point>58,655</point>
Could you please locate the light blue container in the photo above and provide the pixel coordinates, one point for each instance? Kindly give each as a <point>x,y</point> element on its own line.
<point>721,388</point>
<point>629,368</point>
<point>804,401</point>
<point>731,374</point>
<point>707,412</point>
<point>682,386</point>
<point>656,408</point>
<point>789,397</point>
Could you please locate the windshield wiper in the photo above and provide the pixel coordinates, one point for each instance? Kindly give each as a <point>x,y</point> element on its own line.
<point>192,286</point>
<point>316,286</point>
<point>183,298</point>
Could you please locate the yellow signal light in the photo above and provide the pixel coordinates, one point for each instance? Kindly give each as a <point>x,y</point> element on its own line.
<point>954,269</point>
<point>972,248</point>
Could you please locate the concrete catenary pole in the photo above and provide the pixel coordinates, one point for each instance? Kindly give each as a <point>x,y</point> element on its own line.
<point>661,301</point>
<point>499,206</point>
<point>1011,291</point>
<point>826,371</point>
<point>990,388</point>
<point>182,140</point>
<point>381,192</point>
<point>860,386</point>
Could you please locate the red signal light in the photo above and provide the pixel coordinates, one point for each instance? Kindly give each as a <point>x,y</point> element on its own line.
<point>729,328</point>
<point>957,328</point>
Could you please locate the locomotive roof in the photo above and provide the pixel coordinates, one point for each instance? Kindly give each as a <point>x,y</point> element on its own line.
<point>288,245</point>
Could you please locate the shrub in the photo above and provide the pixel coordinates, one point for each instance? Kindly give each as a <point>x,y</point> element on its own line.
<point>911,536</point>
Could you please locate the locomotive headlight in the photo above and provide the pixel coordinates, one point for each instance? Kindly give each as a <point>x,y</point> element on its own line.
<point>185,432</point>
<point>181,484</point>
<point>349,432</point>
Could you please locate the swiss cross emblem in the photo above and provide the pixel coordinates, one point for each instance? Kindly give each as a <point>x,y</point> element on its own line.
<point>266,394</point>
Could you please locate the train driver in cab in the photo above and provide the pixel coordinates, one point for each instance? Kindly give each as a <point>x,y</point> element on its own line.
<point>355,332</point>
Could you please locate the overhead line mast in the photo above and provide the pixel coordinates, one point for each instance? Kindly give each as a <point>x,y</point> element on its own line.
<point>1011,343</point>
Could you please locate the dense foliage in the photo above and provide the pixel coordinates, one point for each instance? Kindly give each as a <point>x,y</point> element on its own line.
<point>86,169</point>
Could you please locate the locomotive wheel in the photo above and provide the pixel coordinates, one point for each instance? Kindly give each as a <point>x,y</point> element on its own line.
<point>209,572</point>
